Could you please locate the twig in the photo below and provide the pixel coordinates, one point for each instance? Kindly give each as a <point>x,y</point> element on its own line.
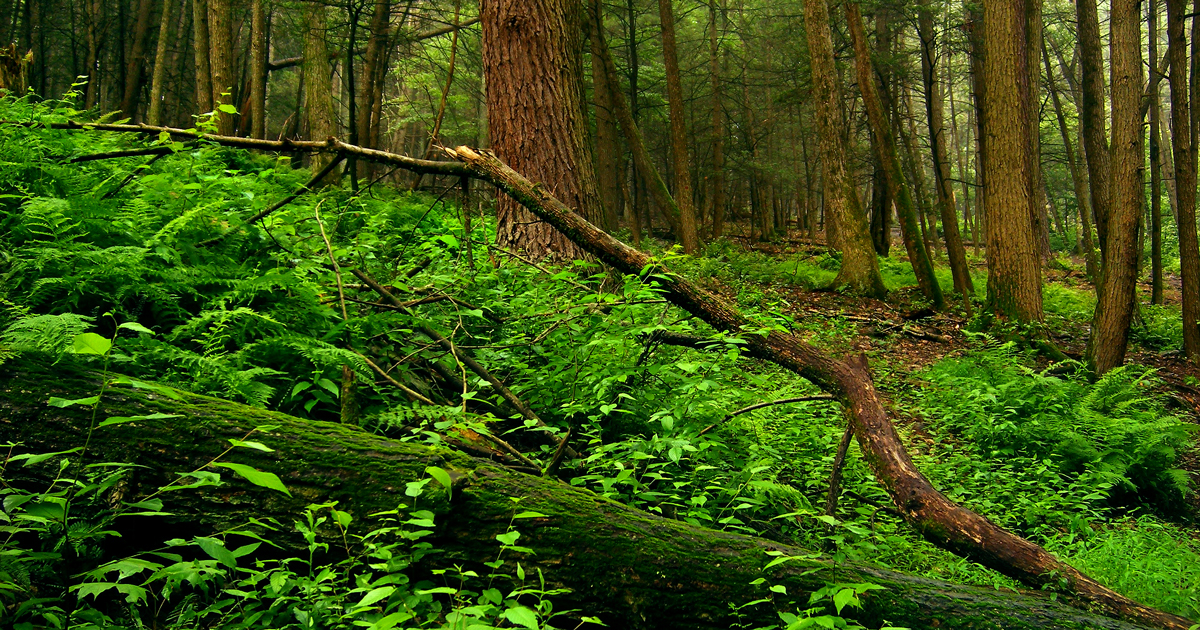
<point>388,377</point>
<point>337,272</point>
<point>781,401</point>
<point>558,454</point>
<point>137,171</point>
<point>111,155</point>
<point>835,477</point>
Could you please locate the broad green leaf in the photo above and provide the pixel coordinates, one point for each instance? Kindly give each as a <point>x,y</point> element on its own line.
<point>256,477</point>
<point>216,549</point>
<point>136,327</point>
<point>36,458</point>
<point>258,446</point>
<point>124,419</point>
<point>391,621</point>
<point>226,108</point>
<point>844,597</point>
<point>441,476</point>
<point>375,595</point>
<point>55,401</point>
<point>509,538</point>
<point>530,515</point>
<point>90,343</point>
<point>522,616</point>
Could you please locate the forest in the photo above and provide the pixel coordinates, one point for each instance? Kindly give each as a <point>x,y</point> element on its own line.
<point>567,314</point>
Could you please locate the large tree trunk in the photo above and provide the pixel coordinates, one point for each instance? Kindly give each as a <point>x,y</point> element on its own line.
<point>1183,146</point>
<point>941,161</point>
<point>680,161</point>
<point>889,159</point>
<point>1014,272</point>
<point>258,69</point>
<point>630,568</point>
<point>860,267</point>
<point>318,89</point>
<point>532,65</point>
<point>1114,305</point>
<point>201,52</point>
<point>371,87</point>
<point>220,43</point>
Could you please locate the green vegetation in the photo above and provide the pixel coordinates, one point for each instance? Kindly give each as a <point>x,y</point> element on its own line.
<point>118,276</point>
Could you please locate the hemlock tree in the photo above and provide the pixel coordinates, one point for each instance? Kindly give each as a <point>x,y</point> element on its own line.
<point>860,267</point>
<point>680,163</point>
<point>1014,274</point>
<point>532,65</point>
<point>1183,146</point>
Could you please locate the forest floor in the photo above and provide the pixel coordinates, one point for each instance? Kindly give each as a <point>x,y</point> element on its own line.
<point>901,336</point>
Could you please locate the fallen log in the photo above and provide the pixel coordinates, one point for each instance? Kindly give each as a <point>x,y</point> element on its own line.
<point>630,568</point>
<point>927,510</point>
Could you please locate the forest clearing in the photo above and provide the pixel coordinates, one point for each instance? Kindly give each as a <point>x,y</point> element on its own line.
<point>587,313</point>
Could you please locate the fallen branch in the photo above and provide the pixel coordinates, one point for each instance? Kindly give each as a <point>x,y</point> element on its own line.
<point>112,155</point>
<point>927,510</point>
<point>632,569</point>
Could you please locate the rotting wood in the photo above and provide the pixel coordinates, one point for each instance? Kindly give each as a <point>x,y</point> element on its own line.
<point>632,569</point>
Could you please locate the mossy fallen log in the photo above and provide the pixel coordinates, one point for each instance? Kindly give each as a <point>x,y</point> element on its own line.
<point>630,568</point>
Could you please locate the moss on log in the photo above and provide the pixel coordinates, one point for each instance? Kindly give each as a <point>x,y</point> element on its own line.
<point>632,569</point>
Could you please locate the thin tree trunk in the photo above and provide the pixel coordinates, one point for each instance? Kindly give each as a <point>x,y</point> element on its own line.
<point>204,89</point>
<point>1114,305</point>
<point>1092,116</point>
<point>318,91</point>
<point>888,157</point>
<point>258,69</point>
<point>718,125</point>
<point>1183,145</point>
<point>1014,273</point>
<point>643,166</point>
<point>1156,263</point>
<point>941,161</point>
<point>681,163</point>
<point>137,56</point>
<point>372,85</point>
<point>609,164</point>
<point>860,267</point>
<point>154,111</point>
<point>1078,180</point>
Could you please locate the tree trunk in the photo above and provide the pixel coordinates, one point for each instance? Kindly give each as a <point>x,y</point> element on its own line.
<point>643,166</point>
<point>1114,306</point>
<point>1156,263</point>
<point>941,161</point>
<point>610,167</point>
<point>154,111</point>
<point>681,163</point>
<point>631,569</point>
<point>318,90</point>
<point>718,125</point>
<point>881,207</point>
<point>1092,116</point>
<point>532,66</point>
<point>258,69</point>
<point>133,70</point>
<point>372,84</point>
<point>860,267</point>
<point>1033,53</point>
<point>1183,146</point>
<point>201,52</point>
<point>1078,179</point>
<point>885,146</point>
<point>220,42</point>
<point>1014,273</point>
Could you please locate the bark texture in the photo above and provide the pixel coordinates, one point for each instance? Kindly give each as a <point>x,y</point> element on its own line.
<point>220,43</point>
<point>532,67</point>
<point>200,54</point>
<point>154,110</point>
<point>680,162</point>
<point>1092,116</point>
<point>1014,273</point>
<point>1183,147</point>
<point>258,69</point>
<point>610,167</point>
<point>1115,300</point>
<point>318,91</point>
<point>632,569</point>
<point>860,267</point>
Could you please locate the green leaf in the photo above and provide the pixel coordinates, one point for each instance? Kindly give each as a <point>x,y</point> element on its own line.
<point>90,343</point>
<point>441,476</point>
<point>258,446</point>
<point>844,597</point>
<point>375,595</point>
<point>509,538</point>
<point>136,327</point>
<point>216,549</point>
<point>55,401</point>
<point>226,108</point>
<point>530,515</point>
<point>522,616</point>
<point>124,419</point>
<point>37,458</point>
<point>256,477</point>
<point>391,621</point>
